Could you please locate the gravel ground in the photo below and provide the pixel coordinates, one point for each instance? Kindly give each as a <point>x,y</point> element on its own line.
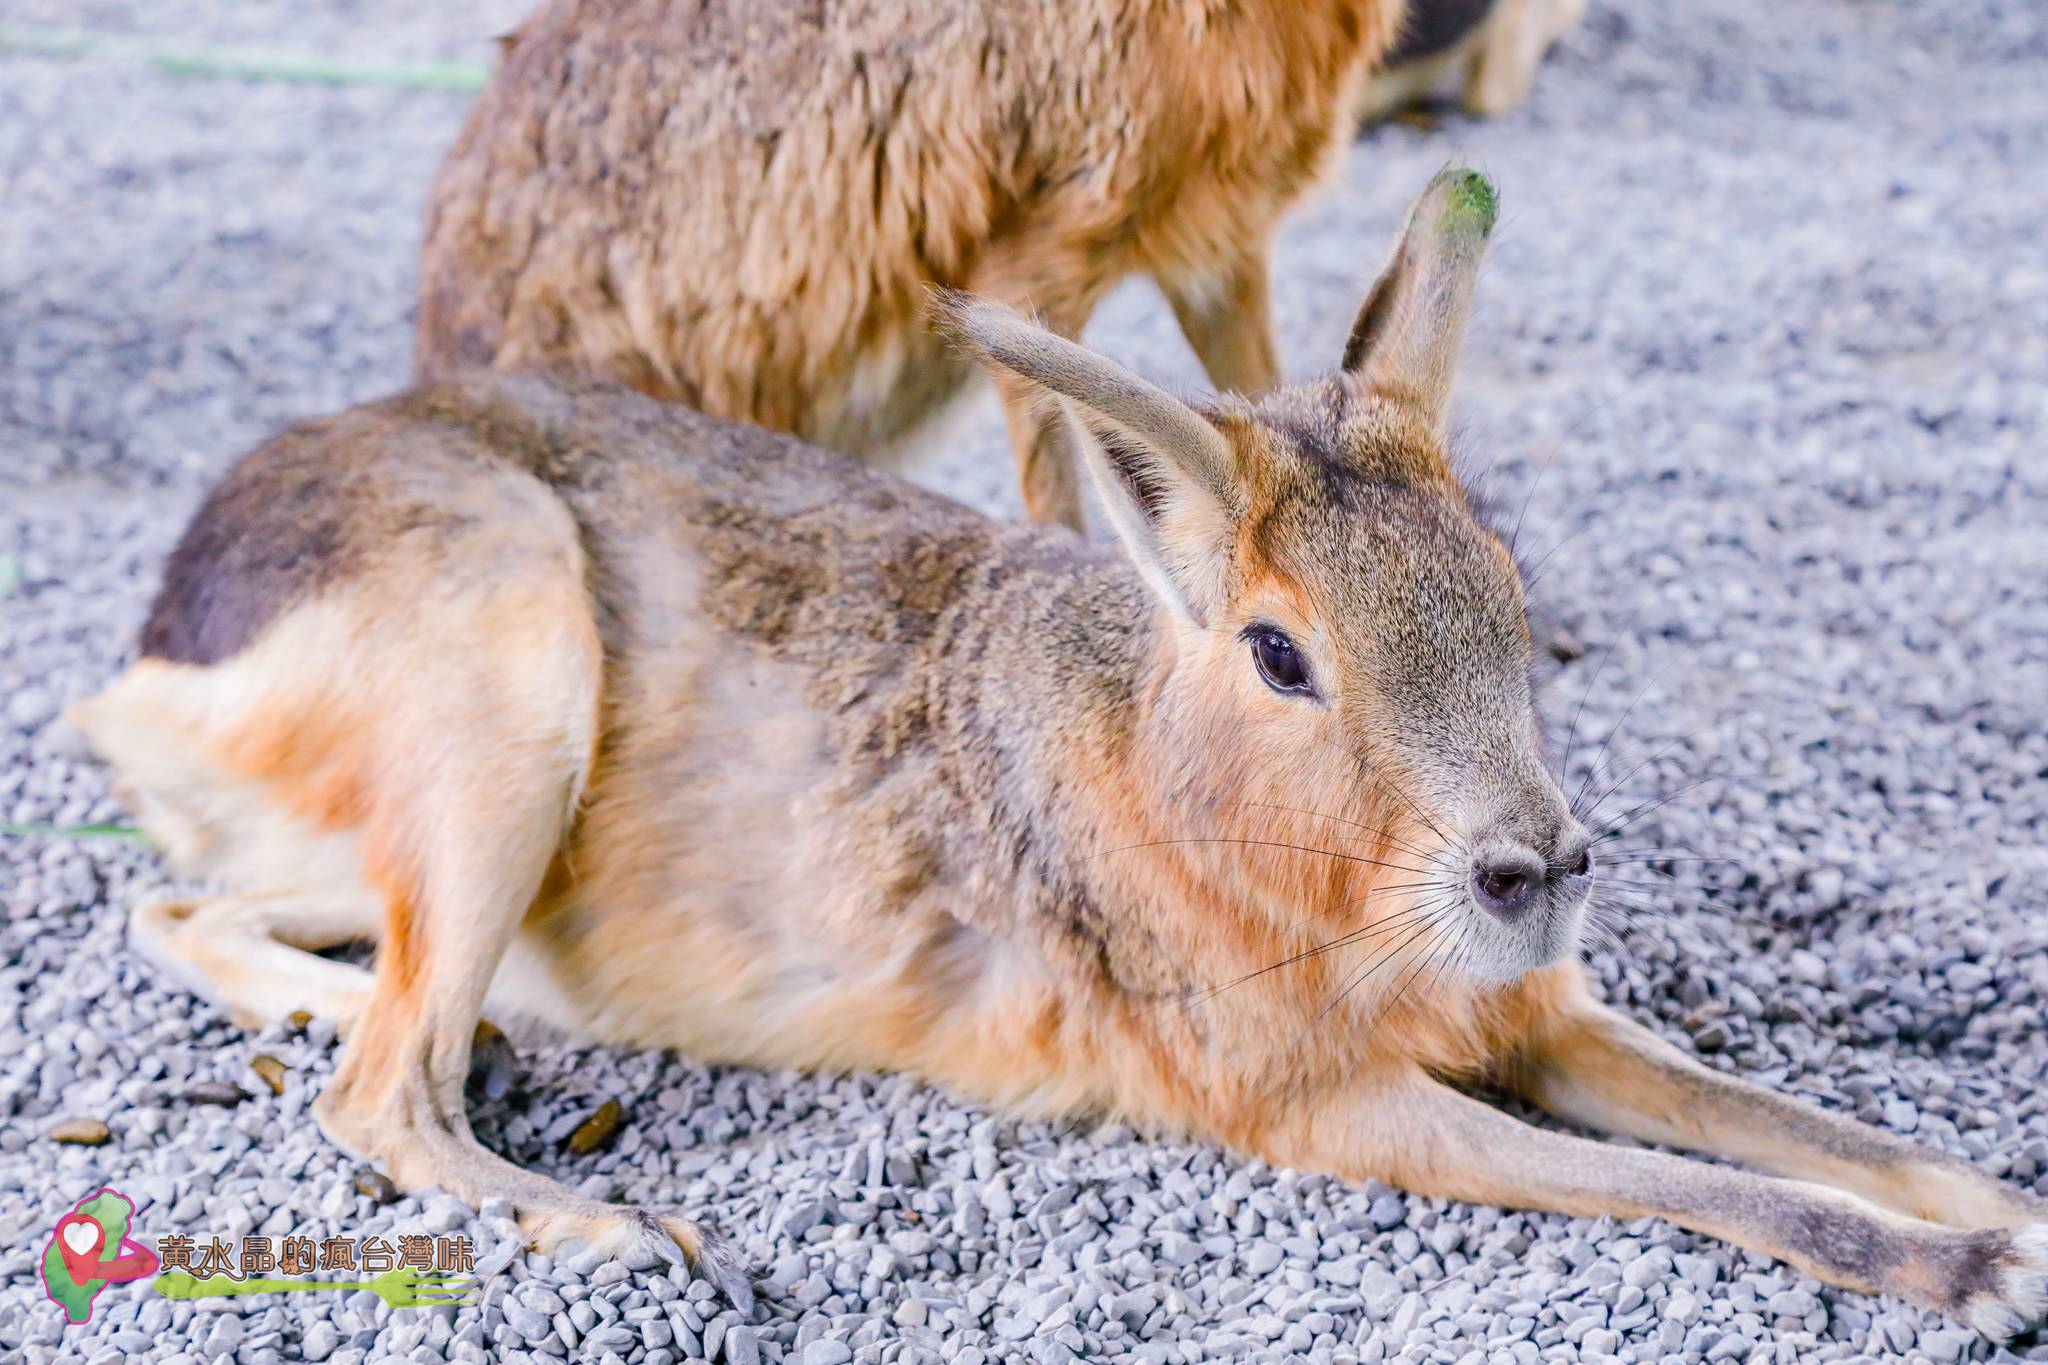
<point>1761,343</point>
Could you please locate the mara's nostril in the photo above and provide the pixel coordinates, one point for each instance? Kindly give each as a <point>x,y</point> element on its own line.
<point>1584,866</point>
<point>1505,888</point>
<point>1502,886</point>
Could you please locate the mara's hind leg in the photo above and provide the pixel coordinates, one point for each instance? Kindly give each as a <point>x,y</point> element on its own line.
<point>487,724</point>
<point>257,955</point>
<point>176,735</point>
<point>429,720</point>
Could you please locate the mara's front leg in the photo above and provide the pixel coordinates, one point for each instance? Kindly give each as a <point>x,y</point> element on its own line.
<point>1424,1136</point>
<point>1042,274</point>
<point>1599,1070</point>
<point>1226,314</point>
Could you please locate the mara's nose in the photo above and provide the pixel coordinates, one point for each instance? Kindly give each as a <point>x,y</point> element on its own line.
<point>1507,882</point>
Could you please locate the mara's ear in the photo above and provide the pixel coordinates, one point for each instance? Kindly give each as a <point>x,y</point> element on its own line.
<point>1406,339</point>
<point>1164,471</point>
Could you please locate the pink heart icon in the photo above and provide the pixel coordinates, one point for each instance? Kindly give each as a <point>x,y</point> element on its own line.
<point>80,1239</point>
<point>82,1235</point>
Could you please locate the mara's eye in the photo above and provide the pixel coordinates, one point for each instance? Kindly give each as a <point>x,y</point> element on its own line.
<point>1280,663</point>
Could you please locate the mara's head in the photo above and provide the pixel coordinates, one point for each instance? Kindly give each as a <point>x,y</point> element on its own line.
<point>1347,655</point>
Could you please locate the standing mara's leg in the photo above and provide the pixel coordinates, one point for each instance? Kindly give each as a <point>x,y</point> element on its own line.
<point>1048,474</point>
<point>1429,1138</point>
<point>1516,37</point>
<point>1045,280</point>
<point>1227,317</point>
<point>1223,309</point>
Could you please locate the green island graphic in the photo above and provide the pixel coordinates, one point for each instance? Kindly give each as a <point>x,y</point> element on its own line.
<point>111,1211</point>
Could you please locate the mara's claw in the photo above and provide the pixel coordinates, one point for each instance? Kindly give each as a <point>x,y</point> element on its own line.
<point>643,1239</point>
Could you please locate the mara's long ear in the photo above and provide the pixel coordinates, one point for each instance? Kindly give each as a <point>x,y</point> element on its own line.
<point>1163,470</point>
<point>1406,339</point>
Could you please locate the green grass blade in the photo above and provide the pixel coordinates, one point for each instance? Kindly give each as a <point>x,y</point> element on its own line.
<point>238,64</point>
<point>308,71</point>
<point>100,831</point>
<point>44,42</point>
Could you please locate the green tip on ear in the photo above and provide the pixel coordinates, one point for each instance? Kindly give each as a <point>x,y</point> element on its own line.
<point>1406,338</point>
<point>1469,203</point>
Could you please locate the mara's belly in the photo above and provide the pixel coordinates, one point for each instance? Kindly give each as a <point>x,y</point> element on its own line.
<point>778,961</point>
<point>731,892</point>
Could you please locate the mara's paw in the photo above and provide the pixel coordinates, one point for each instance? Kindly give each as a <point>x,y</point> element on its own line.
<point>2013,1291</point>
<point>642,1239</point>
<point>232,952</point>
<point>157,930</point>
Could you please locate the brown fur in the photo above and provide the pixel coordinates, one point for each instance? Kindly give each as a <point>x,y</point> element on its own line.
<point>744,207</point>
<point>685,734</point>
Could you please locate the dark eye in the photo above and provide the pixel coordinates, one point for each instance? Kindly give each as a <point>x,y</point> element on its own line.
<point>1280,663</point>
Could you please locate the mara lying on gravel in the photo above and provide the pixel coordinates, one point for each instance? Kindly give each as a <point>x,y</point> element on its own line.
<point>745,207</point>
<point>676,733</point>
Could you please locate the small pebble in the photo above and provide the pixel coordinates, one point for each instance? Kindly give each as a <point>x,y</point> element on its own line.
<point>375,1186</point>
<point>597,1132</point>
<point>80,1132</point>
<point>271,1070</point>
<point>224,1093</point>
